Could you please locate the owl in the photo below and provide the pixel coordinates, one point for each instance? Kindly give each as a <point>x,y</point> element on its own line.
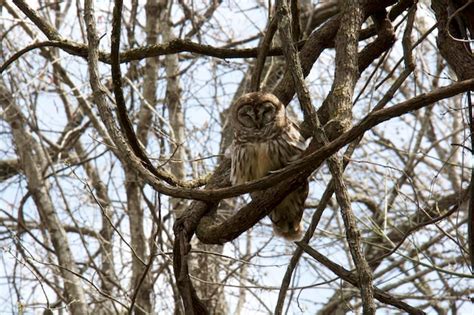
<point>266,140</point>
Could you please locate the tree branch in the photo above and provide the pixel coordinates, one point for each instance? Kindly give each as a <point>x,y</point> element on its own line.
<point>348,276</point>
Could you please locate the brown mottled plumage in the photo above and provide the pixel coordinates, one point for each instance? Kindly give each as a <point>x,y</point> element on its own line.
<point>266,140</point>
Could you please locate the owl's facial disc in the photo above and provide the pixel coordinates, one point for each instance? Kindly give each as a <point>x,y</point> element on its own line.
<point>246,116</point>
<point>266,113</point>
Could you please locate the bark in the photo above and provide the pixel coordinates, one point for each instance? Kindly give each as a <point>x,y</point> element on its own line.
<point>340,112</point>
<point>455,32</point>
<point>458,56</point>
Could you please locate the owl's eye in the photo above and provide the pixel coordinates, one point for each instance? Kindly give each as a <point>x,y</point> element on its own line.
<point>246,116</point>
<point>267,113</point>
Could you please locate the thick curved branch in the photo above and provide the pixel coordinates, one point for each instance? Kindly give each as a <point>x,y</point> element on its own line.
<point>315,159</point>
<point>122,115</point>
<point>209,232</point>
<point>314,156</point>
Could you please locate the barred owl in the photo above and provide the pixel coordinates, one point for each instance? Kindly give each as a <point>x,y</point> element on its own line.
<point>266,140</point>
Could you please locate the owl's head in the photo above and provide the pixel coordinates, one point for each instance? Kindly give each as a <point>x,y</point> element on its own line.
<point>258,112</point>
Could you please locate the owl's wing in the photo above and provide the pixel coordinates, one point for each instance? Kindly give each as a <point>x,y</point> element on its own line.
<point>294,138</point>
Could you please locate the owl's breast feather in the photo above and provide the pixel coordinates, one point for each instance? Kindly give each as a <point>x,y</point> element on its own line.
<point>263,160</point>
<point>255,160</point>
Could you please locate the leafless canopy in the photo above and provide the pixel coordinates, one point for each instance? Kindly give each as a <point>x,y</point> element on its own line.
<point>115,193</point>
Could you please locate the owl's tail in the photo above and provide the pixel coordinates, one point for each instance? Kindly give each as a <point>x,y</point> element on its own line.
<point>293,233</point>
<point>286,217</point>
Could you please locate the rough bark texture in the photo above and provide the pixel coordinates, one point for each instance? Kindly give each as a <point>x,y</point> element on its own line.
<point>455,33</point>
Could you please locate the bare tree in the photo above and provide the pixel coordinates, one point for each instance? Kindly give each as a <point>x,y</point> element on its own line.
<point>115,192</point>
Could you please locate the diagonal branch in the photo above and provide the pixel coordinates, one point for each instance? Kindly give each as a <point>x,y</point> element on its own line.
<point>348,276</point>
<point>314,156</point>
<point>210,233</point>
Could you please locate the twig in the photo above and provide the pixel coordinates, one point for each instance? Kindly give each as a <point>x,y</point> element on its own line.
<point>345,274</point>
<point>325,199</point>
<point>454,15</point>
<point>263,50</point>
